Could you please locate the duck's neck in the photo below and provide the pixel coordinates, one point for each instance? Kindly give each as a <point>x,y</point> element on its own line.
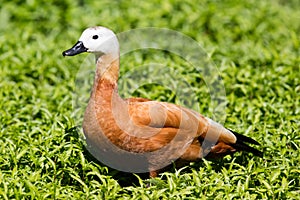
<point>105,85</point>
<point>107,68</point>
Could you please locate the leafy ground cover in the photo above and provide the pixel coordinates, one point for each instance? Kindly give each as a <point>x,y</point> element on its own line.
<point>254,44</point>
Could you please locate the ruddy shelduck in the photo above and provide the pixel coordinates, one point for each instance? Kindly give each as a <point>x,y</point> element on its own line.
<point>142,134</point>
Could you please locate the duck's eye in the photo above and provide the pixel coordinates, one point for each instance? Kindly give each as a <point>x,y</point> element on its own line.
<point>95,37</point>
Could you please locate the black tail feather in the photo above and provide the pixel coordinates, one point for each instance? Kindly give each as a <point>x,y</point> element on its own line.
<point>244,147</point>
<point>241,145</point>
<point>244,138</point>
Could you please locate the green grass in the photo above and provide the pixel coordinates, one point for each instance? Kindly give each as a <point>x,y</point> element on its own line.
<point>254,44</point>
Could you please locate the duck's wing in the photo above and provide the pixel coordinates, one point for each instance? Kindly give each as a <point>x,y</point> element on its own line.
<point>161,122</point>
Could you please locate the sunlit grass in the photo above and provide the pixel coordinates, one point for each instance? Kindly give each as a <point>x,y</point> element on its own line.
<point>255,45</point>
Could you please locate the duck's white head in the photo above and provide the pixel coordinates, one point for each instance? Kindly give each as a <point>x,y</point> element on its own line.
<point>98,40</point>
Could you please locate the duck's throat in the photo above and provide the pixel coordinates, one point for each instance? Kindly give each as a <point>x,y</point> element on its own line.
<point>105,84</point>
<point>107,69</point>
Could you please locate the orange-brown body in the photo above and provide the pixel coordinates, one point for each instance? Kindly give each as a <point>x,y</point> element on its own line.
<point>142,126</point>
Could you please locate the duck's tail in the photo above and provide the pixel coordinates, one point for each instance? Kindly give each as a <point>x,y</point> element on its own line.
<point>222,141</point>
<point>241,144</point>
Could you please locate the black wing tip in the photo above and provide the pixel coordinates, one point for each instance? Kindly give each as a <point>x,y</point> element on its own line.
<point>241,145</point>
<point>243,138</point>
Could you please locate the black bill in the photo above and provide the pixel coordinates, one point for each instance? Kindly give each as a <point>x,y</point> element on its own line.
<point>76,49</point>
